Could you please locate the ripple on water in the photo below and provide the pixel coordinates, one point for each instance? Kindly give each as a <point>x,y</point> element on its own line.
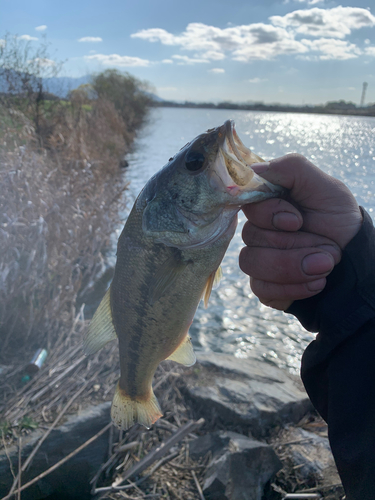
<point>235,321</point>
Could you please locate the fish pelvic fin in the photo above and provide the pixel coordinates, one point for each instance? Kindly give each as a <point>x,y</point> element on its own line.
<point>184,353</point>
<point>127,411</point>
<point>212,283</point>
<point>101,329</point>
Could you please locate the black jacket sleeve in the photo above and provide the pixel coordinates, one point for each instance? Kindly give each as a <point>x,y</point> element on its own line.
<point>338,368</point>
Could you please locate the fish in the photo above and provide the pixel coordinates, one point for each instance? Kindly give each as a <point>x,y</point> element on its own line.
<point>168,259</point>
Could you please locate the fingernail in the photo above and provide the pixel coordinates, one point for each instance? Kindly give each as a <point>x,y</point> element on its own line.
<point>317,263</point>
<point>260,167</point>
<point>333,250</point>
<point>317,285</point>
<point>287,221</point>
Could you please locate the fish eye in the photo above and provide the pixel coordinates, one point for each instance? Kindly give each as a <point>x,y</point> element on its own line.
<point>194,161</point>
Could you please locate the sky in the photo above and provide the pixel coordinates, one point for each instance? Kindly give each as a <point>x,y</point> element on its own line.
<point>288,51</point>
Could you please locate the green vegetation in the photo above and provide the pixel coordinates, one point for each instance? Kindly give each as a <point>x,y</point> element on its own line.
<point>28,423</point>
<point>5,428</point>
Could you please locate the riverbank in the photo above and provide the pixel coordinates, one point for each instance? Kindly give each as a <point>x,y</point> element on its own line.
<point>330,108</point>
<point>61,185</point>
<point>232,429</point>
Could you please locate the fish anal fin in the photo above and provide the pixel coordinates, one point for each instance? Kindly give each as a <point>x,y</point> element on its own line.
<point>184,354</point>
<point>101,329</point>
<point>127,411</point>
<point>212,283</point>
<point>165,277</point>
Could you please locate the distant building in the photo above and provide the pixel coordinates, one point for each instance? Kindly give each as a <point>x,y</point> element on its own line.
<point>364,88</point>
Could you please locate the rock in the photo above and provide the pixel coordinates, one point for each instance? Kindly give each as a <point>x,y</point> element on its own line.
<point>123,163</point>
<point>239,468</point>
<point>71,480</point>
<point>246,392</point>
<point>309,456</point>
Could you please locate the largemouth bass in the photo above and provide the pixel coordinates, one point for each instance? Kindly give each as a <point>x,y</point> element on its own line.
<point>168,258</point>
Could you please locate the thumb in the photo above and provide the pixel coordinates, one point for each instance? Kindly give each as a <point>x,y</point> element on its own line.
<point>327,206</point>
<point>297,174</point>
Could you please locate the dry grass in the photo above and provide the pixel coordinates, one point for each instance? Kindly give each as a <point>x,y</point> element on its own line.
<point>59,207</point>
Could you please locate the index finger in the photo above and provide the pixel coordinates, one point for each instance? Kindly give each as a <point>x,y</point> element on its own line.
<point>274,214</point>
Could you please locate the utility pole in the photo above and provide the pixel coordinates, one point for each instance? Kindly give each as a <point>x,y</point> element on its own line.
<point>364,88</point>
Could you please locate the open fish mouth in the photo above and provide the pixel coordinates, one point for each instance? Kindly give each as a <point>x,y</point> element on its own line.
<point>233,165</point>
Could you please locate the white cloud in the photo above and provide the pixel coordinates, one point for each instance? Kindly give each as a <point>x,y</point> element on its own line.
<point>44,62</point>
<point>28,38</point>
<point>262,41</point>
<point>246,42</point>
<point>117,60</point>
<point>333,49</point>
<point>167,61</point>
<point>370,51</point>
<point>90,39</point>
<point>213,55</point>
<point>309,2</point>
<point>257,80</point>
<point>182,60</point>
<point>156,35</point>
<point>337,22</point>
<point>367,41</point>
<point>269,43</point>
<point>2,42</point>
<point>217,70</point>
<point>43,27</point>
<point>308,58</point>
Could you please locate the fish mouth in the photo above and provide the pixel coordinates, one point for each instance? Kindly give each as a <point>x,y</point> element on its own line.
<point>232,169</point>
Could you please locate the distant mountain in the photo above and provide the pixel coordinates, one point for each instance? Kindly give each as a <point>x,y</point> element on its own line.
<point>155,97</point>
<point>62,85</point>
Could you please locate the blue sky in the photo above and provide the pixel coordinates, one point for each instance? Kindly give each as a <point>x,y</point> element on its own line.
<point>288,51</point>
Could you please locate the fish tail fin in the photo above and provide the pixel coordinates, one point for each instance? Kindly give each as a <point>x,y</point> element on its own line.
<point>126,411</point>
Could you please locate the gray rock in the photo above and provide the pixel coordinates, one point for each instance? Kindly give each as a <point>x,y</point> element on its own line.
<point>239,468</point>
<point>246,391</point>
<point>71,480</point>
<point>309,455</point>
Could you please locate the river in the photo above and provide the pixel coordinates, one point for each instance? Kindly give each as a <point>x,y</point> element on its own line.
<point>235,321</point>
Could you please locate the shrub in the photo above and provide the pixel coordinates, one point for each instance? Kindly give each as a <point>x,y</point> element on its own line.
<point>130,96</point>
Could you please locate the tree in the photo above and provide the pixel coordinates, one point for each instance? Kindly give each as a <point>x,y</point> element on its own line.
<point>24,72</point>
<point>130,96</point>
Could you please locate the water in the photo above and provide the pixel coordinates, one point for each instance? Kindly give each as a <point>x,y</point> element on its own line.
<point>235,322</point>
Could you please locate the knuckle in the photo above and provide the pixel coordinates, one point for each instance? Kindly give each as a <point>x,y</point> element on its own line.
<point>244,260</point>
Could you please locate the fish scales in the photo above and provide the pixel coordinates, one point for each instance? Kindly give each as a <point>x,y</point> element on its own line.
<point>149,333</point>
<point>168,257</point>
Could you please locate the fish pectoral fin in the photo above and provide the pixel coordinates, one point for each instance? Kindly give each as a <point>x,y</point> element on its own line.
<point>184,353</point>
<point>212,283</point>
<point>101,329</point>
<point>127,411</point>
<point>165,277</point>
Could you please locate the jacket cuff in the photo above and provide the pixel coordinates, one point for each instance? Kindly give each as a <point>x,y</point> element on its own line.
<point>348,299</point>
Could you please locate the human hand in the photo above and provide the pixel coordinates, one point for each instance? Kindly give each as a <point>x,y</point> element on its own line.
<point>293,245</point>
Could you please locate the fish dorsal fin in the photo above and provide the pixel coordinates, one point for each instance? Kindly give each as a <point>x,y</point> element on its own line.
<point>165,277</point>
<point>101,329</point>
<point>184,353</point>
<point>212,283</point>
